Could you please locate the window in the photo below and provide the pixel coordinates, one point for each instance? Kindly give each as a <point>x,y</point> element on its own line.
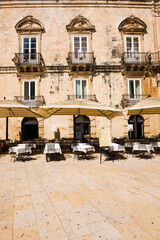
<point>81,89</point>
<point>132,48</point>
<point>29,90</point>
<point>80,49</point>
<point>134,88</point>
<point>132,31</point>
<point>30,32</point>
<point>29,49</point>
<point>80,30</point>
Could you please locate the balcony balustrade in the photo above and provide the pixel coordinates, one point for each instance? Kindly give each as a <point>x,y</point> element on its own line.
<point>81,57</point>
<point>146,58</point>
<point>29,61</point>
<point>135,57</point>
<point>155,58</point>
<point>88,97</point>
<point>32,101</point>
<point>129,99</point>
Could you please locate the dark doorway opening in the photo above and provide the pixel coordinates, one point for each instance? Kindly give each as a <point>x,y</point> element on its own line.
<point>138,127</point>
<point>29,129</point>
<point>82,128</point>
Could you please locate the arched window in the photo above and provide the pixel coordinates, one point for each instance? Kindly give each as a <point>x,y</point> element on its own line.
<point>30,32</point>
<point>132,30</point>
<point>80,30</point>
<point>136,127</point>
<point>82,128</point>
<point>29,129</point>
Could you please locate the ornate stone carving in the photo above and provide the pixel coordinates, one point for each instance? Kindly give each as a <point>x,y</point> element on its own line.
<point>19,78</point>
<point>132,24</point>
<point>29,24</point>
<point>80,24</point>
<point>158,80</point>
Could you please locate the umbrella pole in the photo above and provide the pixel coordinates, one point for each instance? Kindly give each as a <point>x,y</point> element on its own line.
<point>74,132</point>
<point>6,128</point>
<point>136,133</point>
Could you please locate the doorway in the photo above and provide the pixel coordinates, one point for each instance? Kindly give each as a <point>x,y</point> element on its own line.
<point>82,128</point>
<point>29,129</point>
<point>138,127</point>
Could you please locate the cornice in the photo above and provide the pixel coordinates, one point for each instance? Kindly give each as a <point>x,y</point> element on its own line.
<point>157,10</point>
<point>75,4</point>
<point>8,70</point>
<point>63,69</point>
<point>108,68</point>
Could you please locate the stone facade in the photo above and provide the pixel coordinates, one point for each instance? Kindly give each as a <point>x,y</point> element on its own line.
<point>104,30</point>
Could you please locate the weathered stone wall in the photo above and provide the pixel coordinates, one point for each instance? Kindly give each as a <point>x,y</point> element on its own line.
<point>55,41</point>
<point>107,44</point>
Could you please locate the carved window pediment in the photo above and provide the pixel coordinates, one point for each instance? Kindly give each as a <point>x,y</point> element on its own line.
<point>29,24</point>
<point>132,24</point>
<point>80,24</point>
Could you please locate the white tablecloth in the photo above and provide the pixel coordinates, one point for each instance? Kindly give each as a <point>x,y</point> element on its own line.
<point>82,147</point>
<point>52,148</point>
<point>142,147</point>
<point>32,145</point>
<point>20,150</point>
<point>117,147</point>
<point>156,144</point>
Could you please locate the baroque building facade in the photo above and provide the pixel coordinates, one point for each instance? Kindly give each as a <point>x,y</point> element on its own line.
<point>105,51</point>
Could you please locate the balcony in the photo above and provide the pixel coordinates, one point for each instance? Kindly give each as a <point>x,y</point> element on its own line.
<point>88,97</point>
<point>147,58</point>
<point>32,101</point>
<point>81,61</point>
<point>136,58</point>
<point>146,63</point>
<point>29,62</point>
<point>129,99</point>
<point>154,58</point>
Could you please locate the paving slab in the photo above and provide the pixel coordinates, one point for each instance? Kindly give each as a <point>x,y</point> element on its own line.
<point>80,200</point>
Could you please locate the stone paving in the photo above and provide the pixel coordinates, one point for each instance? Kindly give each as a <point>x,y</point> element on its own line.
<point>80,200</point>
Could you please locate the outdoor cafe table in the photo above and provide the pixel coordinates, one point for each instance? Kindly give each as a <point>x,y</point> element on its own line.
<point>51,149</point>
<point>110,150</point>
<point>82,149</point>
<point>32,145</point>
<point>20,151</point>
<point>142,147</point>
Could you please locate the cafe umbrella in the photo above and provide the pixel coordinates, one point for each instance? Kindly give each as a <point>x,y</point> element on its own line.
<point>149,105</point>
<point>79,107</point>
<point>10,108</point>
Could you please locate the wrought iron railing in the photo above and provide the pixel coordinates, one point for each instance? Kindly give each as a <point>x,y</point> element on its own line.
<point>88,97</point>
<point>129,99</point>
<point>28,59</point>
<point>135,57</point>
<point>154,57</point>
<point>81,58</point>
<point>32,101</point>
<point>141,57</point>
